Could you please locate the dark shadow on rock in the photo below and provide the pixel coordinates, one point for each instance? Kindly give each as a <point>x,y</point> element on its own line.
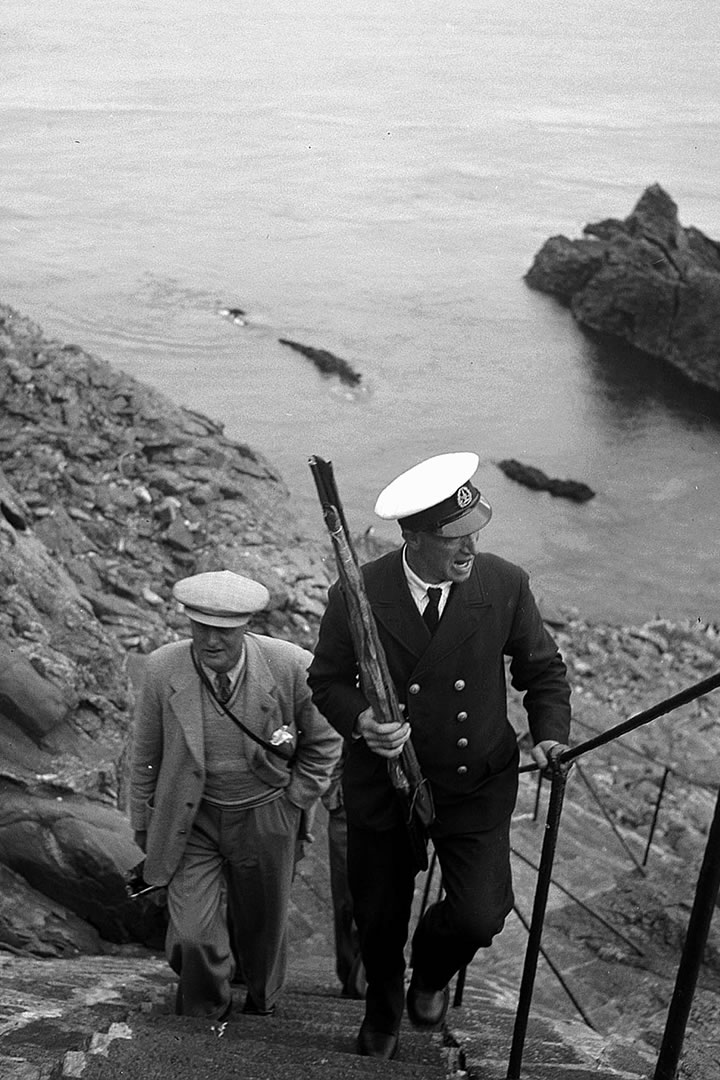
<point>539,481</point>
<point>631,381</point>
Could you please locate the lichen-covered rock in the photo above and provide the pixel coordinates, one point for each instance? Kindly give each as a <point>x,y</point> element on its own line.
<point>646,280</point>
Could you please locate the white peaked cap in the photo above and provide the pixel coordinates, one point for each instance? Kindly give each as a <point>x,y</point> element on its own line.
<point>437,496</point>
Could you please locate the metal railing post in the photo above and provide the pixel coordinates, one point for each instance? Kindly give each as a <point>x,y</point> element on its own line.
<point>656,814</point>
<point>558,773</point>
<point>459,988</point>
<point>538,793</point>
<point>706,894</point>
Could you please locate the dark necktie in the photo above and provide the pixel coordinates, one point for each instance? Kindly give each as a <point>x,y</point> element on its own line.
<point>431,614</point>
<point>222,686</point>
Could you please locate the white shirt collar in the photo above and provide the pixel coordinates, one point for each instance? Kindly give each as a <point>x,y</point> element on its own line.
<point>418,587</point>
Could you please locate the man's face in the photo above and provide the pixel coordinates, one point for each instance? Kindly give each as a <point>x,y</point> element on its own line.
<point>218,647</point>
<point>441,558</point>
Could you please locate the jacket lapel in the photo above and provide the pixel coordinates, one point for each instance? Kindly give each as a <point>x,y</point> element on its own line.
<point>465,613</point>
<point>395,609</point>
<point>259,690</point>
<point>186,697</point>
<point>186,702</point>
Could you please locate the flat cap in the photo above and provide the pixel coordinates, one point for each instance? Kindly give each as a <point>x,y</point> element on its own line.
<point>220,598</point>
<point>437,496</point>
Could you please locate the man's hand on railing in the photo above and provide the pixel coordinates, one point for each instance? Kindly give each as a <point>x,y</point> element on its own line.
<point>543,751</point>
<point>387,740</point>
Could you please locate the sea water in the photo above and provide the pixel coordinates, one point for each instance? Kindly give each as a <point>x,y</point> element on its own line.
<point>374,179</point>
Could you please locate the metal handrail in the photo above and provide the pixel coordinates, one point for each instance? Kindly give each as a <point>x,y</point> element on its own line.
<point>651,759</point>
<point>684,697</point>
<point>552,825</point>
<point>559,763</point>
<point>706,896</point>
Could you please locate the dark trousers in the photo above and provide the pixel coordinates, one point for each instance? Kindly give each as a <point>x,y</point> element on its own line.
<point>346,935</point>
<point>477,899</point>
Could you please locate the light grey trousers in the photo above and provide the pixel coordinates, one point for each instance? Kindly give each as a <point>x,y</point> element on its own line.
<point>243,859</point>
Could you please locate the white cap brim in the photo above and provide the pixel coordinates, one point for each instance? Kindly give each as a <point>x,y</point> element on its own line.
<point>220,598</point>
<point>425,485</point>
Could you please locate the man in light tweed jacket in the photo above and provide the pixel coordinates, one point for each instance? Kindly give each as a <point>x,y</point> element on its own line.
<point>217,806</point>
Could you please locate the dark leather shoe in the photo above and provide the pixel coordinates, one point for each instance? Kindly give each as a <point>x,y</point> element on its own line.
<point>377,1044</point>
<point>426,1008</point>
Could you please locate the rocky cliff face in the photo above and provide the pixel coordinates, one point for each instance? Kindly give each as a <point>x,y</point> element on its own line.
<point>646,280</point>
<point>108,494</point>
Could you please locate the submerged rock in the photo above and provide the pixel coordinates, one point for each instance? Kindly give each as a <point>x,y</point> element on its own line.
<point>646,280</point>
<point>539,481</point>
<point>326,362</point>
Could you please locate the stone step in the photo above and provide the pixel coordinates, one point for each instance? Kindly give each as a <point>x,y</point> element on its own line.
<point>553,1049</point>
<point>311,1037</point>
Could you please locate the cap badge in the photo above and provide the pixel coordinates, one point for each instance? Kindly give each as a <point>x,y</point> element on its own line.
<point>464,497</point>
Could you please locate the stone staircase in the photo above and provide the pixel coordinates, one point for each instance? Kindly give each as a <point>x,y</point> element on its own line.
<point>312,1036</point>
<point>111,1017</point>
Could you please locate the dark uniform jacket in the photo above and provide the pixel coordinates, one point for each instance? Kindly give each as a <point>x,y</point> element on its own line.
<point>453,687</point>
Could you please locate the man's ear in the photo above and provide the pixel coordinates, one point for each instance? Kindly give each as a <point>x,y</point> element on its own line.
<point>411,538</point>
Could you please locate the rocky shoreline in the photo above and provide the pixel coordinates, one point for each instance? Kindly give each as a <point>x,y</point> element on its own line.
<point>108,494</point>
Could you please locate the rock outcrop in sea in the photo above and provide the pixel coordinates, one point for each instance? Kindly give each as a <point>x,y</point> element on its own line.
<point>646,280</point>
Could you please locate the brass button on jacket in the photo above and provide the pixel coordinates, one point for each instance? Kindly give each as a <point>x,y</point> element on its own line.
<point>414,688</point>
<point>461,716</point>
<point>460,684</point>
<point>462,769</point>
<point>462,743</point>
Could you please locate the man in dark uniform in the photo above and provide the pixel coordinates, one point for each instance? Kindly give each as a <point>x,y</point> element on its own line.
<point>447,618</point>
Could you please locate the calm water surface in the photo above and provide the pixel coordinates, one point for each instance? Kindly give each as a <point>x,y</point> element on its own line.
<point>374,179</point>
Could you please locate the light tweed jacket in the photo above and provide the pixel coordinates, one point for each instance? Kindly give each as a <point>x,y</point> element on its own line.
<point>168,762</point>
